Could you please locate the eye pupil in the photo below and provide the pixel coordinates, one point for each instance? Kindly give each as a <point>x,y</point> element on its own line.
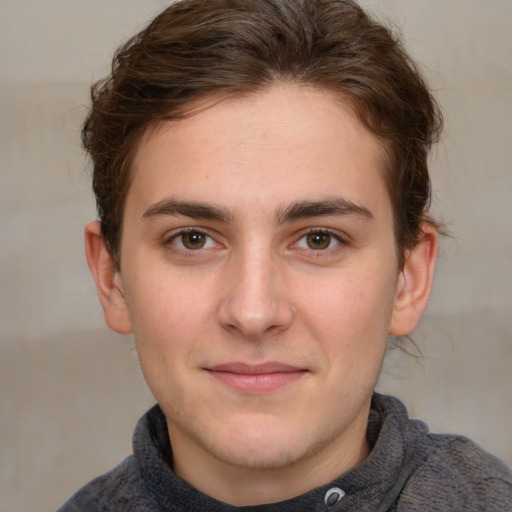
<point>193,240</point>
<point>318,240</point>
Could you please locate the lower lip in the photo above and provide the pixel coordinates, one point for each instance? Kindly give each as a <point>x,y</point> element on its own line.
<point>257,383</point>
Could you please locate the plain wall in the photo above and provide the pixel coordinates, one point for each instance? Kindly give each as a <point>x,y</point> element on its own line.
<point>71,391</point>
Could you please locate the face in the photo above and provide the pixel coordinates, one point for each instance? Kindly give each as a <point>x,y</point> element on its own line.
<point>260,277</point>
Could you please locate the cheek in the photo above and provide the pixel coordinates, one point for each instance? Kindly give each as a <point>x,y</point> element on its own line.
<point>169,302</point>
<point>161,320</point>
<point>351,311</point>
<point>165,330</point>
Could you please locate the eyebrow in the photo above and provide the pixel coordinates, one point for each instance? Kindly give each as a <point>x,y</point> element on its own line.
<point>190,209</point>
<point>294,211</point>
<point>330,206</point>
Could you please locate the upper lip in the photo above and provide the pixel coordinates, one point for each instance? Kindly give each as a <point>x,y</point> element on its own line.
<point>255,369</point>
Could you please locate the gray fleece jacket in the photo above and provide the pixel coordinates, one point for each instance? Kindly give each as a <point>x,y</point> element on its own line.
<point>408,469</point>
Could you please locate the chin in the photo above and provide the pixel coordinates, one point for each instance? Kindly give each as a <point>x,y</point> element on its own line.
<point>264,447</point>
<point>258,456</point>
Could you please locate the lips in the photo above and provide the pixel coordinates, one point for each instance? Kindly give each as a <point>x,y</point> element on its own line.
<point>259,378</point>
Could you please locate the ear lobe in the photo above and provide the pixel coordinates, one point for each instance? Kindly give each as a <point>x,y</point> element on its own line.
<point>415,283</point>
<point>107,279</point>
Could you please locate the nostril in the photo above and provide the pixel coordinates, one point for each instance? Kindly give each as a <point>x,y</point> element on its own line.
<point>254,314</point>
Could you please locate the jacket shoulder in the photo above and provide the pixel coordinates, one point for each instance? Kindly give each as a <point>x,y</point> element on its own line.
<point>458,475</point>
<point>122,488</point>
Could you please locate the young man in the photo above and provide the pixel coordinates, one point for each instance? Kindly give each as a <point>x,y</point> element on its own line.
<point>262,186</point>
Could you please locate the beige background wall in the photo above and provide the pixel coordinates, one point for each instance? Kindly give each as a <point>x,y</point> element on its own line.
<point>70,391</point>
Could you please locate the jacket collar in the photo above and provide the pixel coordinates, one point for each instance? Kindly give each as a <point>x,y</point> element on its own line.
<point>398,444</point>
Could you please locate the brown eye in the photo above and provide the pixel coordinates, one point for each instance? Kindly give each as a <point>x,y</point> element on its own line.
<point>193,240</point>
<point>318,240</point>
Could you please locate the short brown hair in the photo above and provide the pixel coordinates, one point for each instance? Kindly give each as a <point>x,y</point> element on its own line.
<point>196,48</point>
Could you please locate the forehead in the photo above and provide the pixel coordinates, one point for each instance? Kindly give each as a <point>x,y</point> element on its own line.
<point>274,145</point>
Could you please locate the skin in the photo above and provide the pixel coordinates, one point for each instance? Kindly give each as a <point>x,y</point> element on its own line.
<point>260,279</point>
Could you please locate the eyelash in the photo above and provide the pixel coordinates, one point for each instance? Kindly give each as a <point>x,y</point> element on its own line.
<point>340,242</point>
<point>188,251</point>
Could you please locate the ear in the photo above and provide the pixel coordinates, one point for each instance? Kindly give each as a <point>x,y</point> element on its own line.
<point>108,280</point>
<point>415,283</point>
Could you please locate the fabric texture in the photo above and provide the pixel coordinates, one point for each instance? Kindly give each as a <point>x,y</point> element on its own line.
<point>408,469</point>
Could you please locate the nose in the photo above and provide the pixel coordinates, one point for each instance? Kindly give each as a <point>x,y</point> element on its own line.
<point>254,303</point>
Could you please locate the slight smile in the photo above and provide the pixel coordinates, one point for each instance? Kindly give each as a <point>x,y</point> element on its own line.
<point>260,378</point>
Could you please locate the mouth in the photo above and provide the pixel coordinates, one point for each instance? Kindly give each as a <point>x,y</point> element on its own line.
<point>259,378</point>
